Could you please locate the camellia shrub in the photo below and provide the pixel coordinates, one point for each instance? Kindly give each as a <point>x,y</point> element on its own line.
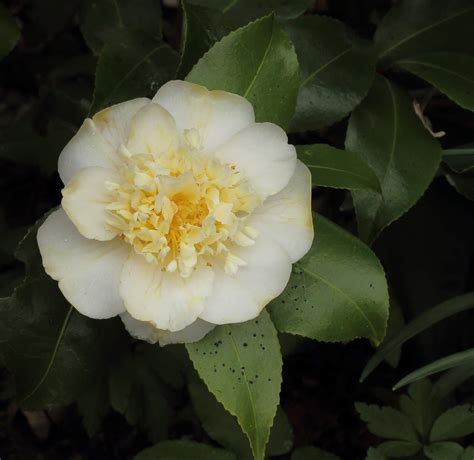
<point>223,223</point>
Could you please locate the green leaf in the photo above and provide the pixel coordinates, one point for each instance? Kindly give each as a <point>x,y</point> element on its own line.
<point>9,32</point>
<point>448,362</point>
<point>102,20</point>
<point>456,422</point>
<point>387,422</point>
<point>53,351</point>
<point>133,67</point>
<point>422,406</point>
<point>223,428</point>
<point>202,27</point>
<point>336,71</point>
<point>385,132</point>
<point>241,365</point>
<point>461,158</point>
<point>463,182</point>
<point>312,453</point>
<point>395,323</point>
<point>337,292</point>
<point>414,27</point>
<point>468,454</point>
<point>399,448</point>
<point>331,167</point>
<point>374,454</point>
<point>247,10</point>
<point>451,379</point>
<point>451,73</point>
<point>137,392</point>
<point>183,450</point>
<point>419,324</point>
<point>121,378</point>
<point>258,62</point>
<point>93,405</point>
<point>443,451</point>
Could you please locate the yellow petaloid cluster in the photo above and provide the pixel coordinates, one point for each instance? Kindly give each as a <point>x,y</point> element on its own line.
<point>182,208</point>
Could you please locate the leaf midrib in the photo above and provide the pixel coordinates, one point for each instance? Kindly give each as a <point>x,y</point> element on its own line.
<point>325,65</point>
<point>345,171</point>
<point>256,449</point>
<point>264,57</point>
<point>132,70</point>
<point>53,355</point>
<point>436,67</point>
<point>423,30</point>
<point>340,291</point>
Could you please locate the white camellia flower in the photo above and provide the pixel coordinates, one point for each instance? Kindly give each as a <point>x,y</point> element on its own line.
<point>178,213</point>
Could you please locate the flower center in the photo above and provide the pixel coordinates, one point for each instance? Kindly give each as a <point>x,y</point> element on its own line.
<point>182,209</point>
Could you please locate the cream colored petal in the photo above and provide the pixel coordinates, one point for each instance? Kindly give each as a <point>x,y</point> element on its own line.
<point>261,151</point>
<point>146,331</point>
<point>85,198</point>
<point>152,130</point>
<point>241,297</point>
<point>216,115</point>
<point>88,271</point>
<point>97,141</point>
<point>164,299</point>
<point>286,217</point>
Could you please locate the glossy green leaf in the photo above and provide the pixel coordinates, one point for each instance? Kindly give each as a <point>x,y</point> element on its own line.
<point>183,450</point>
<point>414,27</point>
<point>248,10</point>
<point>385,132</point>
<point>443,451</point>
<point>258,62</point>
<point>451,73</point>
<point>312,453</point>
<point>456,422</point>
<point>448,362</point>
<point>202,27</point>
<point>396,449</point>
<point>418,325</point>
<point>9,31</point>
<point>337,292</point>
<point>52,350</point>
<point>224,428</point>
<point>336,72</point>
<point>241,365</point>
<point>130,68</point>
<point>331,167</point>
<point>422,406</point>
<point>103,20</point>
<point>387,422</point>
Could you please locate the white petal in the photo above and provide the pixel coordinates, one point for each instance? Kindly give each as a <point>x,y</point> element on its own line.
<point>146,331</point>
<point>241,297</point>
<point>261,151</point>
<point>88,271</point>
<point>165,299</point>
<point>97,141</point>
<point>152,130</point>
<point>286,217</point>
<point>216,115</point>
<point>85,198</point>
